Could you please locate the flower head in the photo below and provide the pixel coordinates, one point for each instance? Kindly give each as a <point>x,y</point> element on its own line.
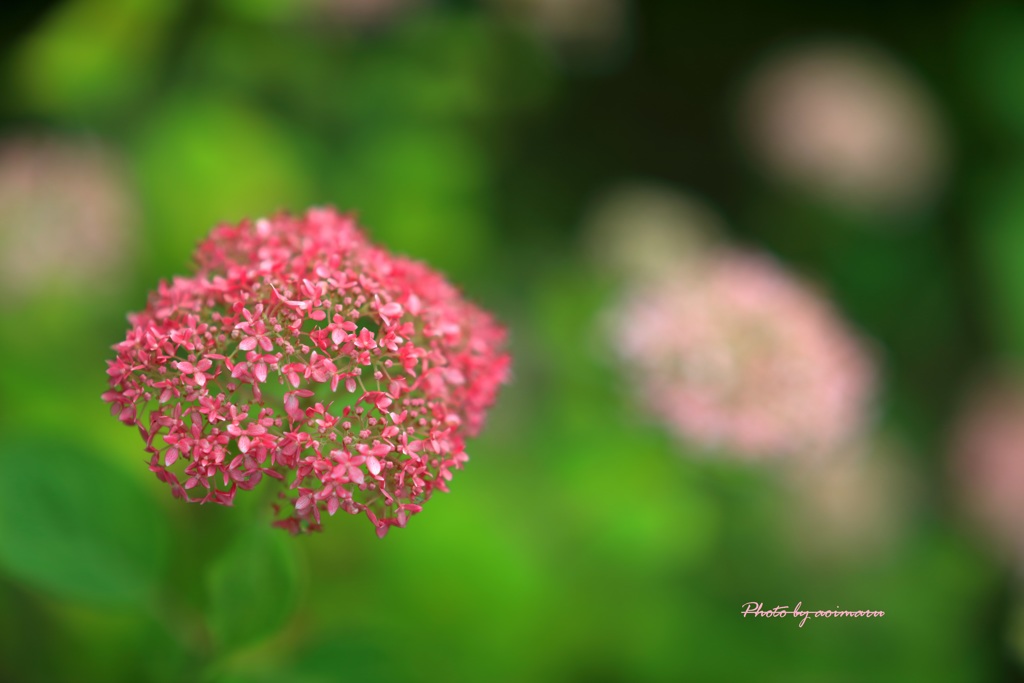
<point>301,352</point>
<point>737,354</point>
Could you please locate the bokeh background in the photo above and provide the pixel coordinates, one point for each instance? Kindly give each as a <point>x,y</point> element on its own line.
<point>563,161</point>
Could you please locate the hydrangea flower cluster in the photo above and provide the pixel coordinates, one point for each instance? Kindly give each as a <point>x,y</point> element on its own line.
<point>300,351</point>
<point>737,354</point>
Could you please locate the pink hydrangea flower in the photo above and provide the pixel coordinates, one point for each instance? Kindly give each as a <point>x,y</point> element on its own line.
<point>737,354</point>
<point>300,352</point>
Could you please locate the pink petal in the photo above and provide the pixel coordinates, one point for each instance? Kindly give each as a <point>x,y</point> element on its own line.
<point>248,344</point>
<point>391,310</point>
<point>373,465</point>
<point>299,305</point>
<point>291,406</point>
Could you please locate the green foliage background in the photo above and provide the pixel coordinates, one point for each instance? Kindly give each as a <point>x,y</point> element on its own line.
<point>580,544</point>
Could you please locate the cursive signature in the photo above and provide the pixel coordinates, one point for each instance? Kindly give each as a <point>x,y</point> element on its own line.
<point>756,609</point>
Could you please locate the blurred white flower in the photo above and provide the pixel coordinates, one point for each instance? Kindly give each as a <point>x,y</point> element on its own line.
<point>66,217</point>
<point>586,24</point>
<point>641,231</point>
<point>846,121</point>
<point>852,507</point>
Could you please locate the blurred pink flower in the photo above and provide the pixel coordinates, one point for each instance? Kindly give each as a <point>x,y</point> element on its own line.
<point>66,217</point>
<point>847,121</point>
<point>739,355</point>
<point>987,464</point>
<point>298,350</point>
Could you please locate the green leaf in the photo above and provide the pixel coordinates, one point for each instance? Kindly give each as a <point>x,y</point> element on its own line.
<point>74,525</point>
<point>252,587</point>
